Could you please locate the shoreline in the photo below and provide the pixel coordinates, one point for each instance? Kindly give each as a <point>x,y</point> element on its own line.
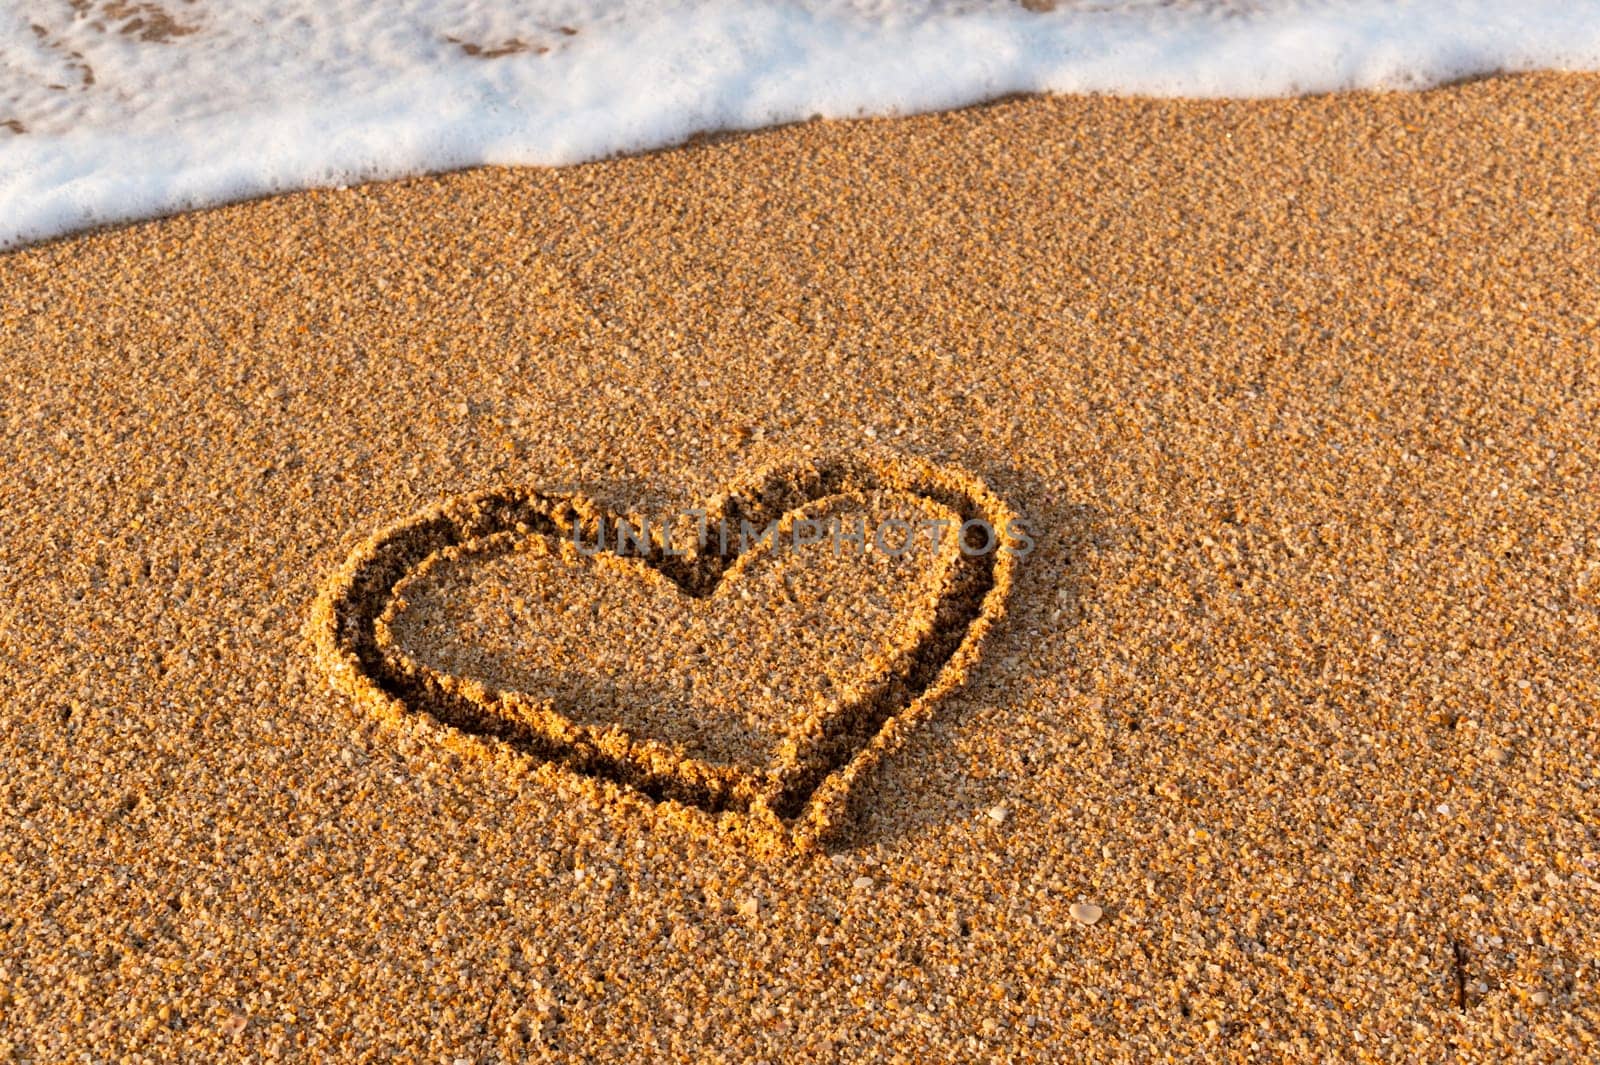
<point>134,216</point>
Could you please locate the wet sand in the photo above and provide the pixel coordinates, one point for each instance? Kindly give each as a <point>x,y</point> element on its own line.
<point>1284,747</point>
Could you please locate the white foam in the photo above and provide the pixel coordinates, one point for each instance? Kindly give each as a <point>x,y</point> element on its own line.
<point>260,96</point>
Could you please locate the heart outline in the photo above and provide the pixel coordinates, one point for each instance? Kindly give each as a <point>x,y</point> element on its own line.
<point>805,796</point>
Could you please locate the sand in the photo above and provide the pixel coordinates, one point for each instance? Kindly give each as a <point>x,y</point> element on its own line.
<point>1284,746</point>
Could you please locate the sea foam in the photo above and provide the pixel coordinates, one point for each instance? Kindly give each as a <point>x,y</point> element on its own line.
<point>112,110</point>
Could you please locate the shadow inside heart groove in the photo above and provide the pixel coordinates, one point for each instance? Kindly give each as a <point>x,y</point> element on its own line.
<point>458,611</point>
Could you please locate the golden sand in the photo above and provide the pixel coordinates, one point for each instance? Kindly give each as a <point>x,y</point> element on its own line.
<point>1284,746</point>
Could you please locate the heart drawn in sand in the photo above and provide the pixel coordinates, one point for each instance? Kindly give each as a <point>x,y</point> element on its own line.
<point>753,678</point>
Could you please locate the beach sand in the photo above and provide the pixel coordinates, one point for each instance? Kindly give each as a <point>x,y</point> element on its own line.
<point>1284,748</point>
